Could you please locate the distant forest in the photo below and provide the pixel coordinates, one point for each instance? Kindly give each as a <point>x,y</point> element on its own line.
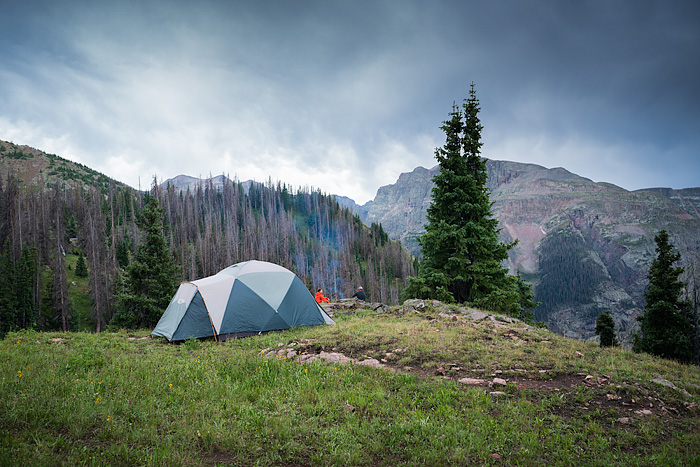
<point>208,229</point>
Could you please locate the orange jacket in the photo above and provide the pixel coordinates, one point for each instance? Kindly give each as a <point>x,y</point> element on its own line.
<point>320,298</point>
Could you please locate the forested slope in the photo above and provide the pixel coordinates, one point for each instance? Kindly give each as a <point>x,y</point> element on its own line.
<point>208,229</point>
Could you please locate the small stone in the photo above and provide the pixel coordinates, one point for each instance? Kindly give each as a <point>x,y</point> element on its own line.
<point>471,381</point>
<point>373,362</point>
<point>664,382</point>
<point>500,381</point>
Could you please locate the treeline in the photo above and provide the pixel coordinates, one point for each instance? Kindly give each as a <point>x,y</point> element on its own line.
<point>208,229</point>
<point>568,274</point>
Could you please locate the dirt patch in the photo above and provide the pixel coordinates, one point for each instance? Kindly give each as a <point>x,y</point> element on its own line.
<point>217,457</point>
<point>574,395</point>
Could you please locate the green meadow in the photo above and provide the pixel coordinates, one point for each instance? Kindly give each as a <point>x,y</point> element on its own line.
<point>535,398</point>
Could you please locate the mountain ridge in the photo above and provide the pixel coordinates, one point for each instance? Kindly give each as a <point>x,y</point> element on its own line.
<point>602,230</point>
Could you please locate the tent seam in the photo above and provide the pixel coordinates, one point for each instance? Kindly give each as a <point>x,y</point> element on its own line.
<point>207,307</point>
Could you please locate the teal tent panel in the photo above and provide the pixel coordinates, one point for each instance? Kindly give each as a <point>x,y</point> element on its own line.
<point>299,308</point>
<point>245,311</point>
<point>275,322</point>
<point>196,322</point>
<point>169,322</point>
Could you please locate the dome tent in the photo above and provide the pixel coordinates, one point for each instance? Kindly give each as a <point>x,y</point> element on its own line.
<point>244,299</point>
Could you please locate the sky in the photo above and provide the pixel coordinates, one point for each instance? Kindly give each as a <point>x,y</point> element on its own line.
<point>344,96</point>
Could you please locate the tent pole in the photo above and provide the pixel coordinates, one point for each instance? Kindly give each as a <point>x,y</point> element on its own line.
<point>208,314</point>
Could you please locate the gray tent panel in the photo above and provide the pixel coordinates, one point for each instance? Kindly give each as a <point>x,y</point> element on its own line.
<point>271,286</point>
<point>245,311</point>
<point>196,322</point>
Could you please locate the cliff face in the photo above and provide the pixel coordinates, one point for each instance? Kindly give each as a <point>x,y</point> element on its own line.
<point>585,246</point>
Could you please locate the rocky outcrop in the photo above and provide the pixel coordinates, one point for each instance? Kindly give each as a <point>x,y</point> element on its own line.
<point>603,233</point>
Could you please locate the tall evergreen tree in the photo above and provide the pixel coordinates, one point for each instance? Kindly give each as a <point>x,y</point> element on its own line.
<point>81,269</point>
<point>665,323</point>
<point>25,289</point>
<point>462,257</point>
<point>605,328</point>
<point>151,277</point>
<point>8,297</point>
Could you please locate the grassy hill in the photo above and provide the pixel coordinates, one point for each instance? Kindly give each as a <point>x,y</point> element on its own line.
<point>425,386</point>
<point>37,168</point>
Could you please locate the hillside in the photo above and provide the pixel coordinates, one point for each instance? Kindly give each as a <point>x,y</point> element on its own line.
<point>52,210</point>
<point>422,384</point>
<point>37,168</point>
<point>596,239</point>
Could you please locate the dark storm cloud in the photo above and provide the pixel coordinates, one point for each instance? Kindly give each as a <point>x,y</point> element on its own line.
<point>319,92</point>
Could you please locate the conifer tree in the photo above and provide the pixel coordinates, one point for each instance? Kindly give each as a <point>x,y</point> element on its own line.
<point>80,266</point>
<point>151,277</point>
<point>462,257</point>
<point>8,297</point>
<point>605,328</point>
<point>665,323</point>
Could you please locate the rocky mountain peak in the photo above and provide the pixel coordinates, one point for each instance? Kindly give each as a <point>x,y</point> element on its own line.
<point>596,239</point>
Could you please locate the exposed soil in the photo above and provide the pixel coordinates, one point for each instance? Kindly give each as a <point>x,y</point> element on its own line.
<point>580,395</point>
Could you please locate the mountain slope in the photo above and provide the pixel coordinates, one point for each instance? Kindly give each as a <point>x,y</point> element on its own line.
<point>596,239</point>
<point>37,168</point>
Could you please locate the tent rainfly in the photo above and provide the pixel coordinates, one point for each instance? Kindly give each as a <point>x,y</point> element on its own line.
<point>244,299</point>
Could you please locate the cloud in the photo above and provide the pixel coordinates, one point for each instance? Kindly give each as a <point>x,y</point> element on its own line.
<point>346,96</point>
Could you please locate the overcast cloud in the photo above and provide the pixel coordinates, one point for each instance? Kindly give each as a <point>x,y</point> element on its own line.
<point>345,96</point>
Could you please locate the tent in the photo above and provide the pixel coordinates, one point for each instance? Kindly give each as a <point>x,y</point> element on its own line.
<point>244,299</point>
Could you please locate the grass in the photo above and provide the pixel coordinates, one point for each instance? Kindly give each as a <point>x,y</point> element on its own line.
<point>123,399</point>
<point>78,291</point>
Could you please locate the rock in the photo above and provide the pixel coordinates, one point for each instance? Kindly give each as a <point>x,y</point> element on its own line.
<point>664,382</point>
<point>373,362</point>
<point>500,382</point>
<point>308,358</point>
<point>477,315</point>
<point>334,357</point>
<point>472,381</point>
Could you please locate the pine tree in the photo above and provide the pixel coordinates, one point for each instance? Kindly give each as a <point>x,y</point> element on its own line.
<point>151,277</point>
<point>665,323</point>
<point>461,253</point>
<point>80,266</point>
<point>605,328</point>
<point>8,297</point>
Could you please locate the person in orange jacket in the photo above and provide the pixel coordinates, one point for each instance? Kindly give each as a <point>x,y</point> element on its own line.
<point>320,298</point>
